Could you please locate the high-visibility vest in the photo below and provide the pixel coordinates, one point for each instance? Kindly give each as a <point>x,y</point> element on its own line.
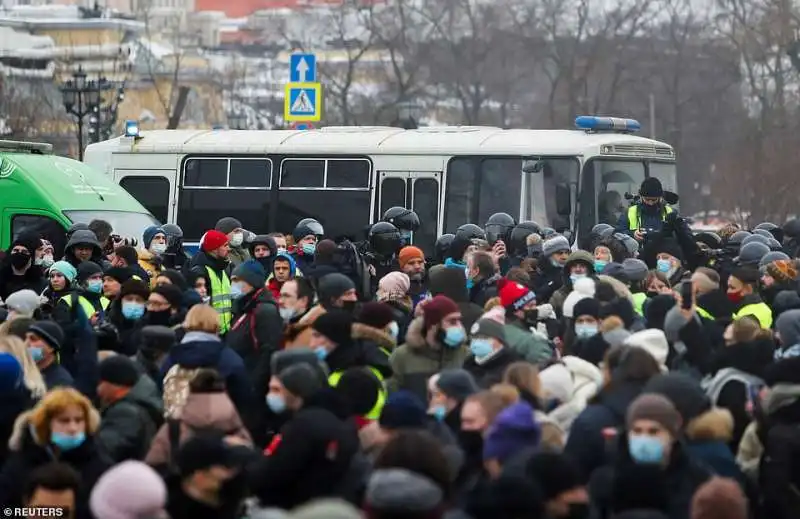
<point>760,311</point>
<point>638,303</point>
<point>221,299</point>
<point>88,307</point>
<point>375,412</point>
<point>634,223</point>
<point>702,312</point>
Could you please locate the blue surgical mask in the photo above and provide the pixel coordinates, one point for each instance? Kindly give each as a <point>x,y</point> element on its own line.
<point>583,331</point>
<point>67,442</point>
<point>599,265</point>
<point>663,266</point>
<point>439,412</point>
<point>575,277</point>
<point>276,403</point>
<point>480,348</point>
<point>406,237</point>
<point>556,263</point>
<point>132,311</point>
<point>394,330</point>
<point>95,286</point>
<point>37,353</point>
<point>237,290</point>
<point>309,249</point>
<point>321,352</point>
<point>454,336</point>
<point>645,449</point>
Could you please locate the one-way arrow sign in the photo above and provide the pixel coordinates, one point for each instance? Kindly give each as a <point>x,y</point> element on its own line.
<point>302,68</point>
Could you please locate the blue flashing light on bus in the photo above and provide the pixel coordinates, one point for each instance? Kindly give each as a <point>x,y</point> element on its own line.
<point>132,129</point>
<point>604,124</point>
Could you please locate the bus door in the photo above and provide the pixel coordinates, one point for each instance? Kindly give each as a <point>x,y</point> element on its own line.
<point>419,191</point>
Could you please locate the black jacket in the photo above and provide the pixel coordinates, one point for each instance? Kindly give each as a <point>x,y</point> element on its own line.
<point>33,279</point>
<point>359,353</point>
<point>13,404</point>
<point>491,373</point>
<point>201,260</point>
<point>129,424</point>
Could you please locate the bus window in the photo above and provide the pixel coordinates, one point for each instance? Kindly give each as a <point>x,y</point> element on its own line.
<point>612,180</point>
<point>540,203</point>
<point>348,174</point>
<point>205,172</point>
<point>426,205</point>
<point>301,174</point>
<point>151,192</point>
<point>199,210</point>
<point>250,173</point>
<point>666,173</point>
<point>43,226</point>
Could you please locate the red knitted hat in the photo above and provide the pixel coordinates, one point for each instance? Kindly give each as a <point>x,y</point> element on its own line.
<point>213,240</point>
<point>514,295</point>
<point>437,309</point>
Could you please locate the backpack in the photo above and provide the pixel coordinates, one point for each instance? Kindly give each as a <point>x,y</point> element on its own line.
<point>352,264</point>
<point>713,385</point>
<point>176,389</point>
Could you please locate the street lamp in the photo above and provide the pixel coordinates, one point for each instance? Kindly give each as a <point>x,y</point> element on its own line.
<point>104,117</point>
<point>408,114</point>
<point>237,120</point>
<point>80,99</point>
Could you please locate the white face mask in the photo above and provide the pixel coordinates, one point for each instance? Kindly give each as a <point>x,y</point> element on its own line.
<point>158,248</point>
<point>286,313</point>
<point>237,239</point>
<point>45,261</point>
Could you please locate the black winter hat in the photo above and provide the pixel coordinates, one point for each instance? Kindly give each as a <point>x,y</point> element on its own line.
<point>50,332</point>
<point>651,188</point>
<point>458,384</point>
<point>252,273</point>
<point>784,371</point>
<point>620,307</point>
<point>668,246</point>
<point>87,269</point>
<point>135,287</point>
<point>403,410</point>
<point>284,359</point>
<point>227,225</point>
<point>158,338</point>
<point>121,274</point>
<point>171,293</point>
<point>587,306</point>
<point>336,325</point>
<point>29,240</point>
<point>333,286</point>
<point>360,387</point>
<point>300,380</point>
<point>119,370</point>
<point>656,308</point>
<point>376,315</point>
<point>683,391</point>
<point>555,472</point>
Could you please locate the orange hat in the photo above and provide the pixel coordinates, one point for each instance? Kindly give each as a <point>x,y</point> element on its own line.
<point>782,270</point>
<point>408,253</point>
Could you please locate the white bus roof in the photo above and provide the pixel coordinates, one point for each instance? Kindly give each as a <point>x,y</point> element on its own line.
<point>451,140</point>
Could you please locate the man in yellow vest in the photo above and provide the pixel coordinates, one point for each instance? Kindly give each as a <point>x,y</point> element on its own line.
<point>211,263</point>
<point>743,293</point>
<point>649,215</point>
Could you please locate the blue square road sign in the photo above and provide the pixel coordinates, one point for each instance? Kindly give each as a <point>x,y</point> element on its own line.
<point>302,68</point>
<point>303,102</point>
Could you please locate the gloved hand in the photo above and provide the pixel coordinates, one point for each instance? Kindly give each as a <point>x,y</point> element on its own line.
<point>546,312</point>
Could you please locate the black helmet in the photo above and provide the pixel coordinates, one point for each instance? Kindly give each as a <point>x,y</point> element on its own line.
<point>750,255</point>
<point>773,256</point>
<point>775,245</point>
<point>174,235</point>
<point>384,238</point>
<point>735,240</point>
<point>549,232</point>
<point>755,238</point>
<point>442,247</point>
<point>771,228</point>
<point>519,238</point>
<point>307,227</point>
<point>499,227</point>
<point>602,229</point>
<point>762,232</point>
<point>469,232</point>
<point>791,229</point>
<point>402,218</point>
<point>709,239</point>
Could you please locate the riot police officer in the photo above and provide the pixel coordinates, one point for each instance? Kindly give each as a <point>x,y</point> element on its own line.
<point>406,221</point>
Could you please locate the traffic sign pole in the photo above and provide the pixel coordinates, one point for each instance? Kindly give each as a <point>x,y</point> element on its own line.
<point>303,96</point>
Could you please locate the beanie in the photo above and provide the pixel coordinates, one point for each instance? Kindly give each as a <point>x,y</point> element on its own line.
<point>554,245</point>
<point>399,492</point>
<point>120,274</point>
<point>252,273</point>
<point>669,246</point>
<point>588,306</point>
<point>782,271</point>
<point>685,393</point>
<point>719,498</point>
<point>361,388</point>
<point>435,310</point>
<point>657,408</point>
<point>651,188</point>
<point>28,239</point>
<point>336,325</point>
<point>87,269</point>
<point>457,384</point>
<point>746,275</point>
<point>10,373</point>
<point>114,497</point>
<point>227,225</point>
<point>135,287</point>
<point>300,380</point>
<point>66,269</point>
<point>150,233</point>
<point>24,302</point>
<point>333,286</point>
<point>403,410</point>
<point>171,293</point>
<point>50,332</point>
<point>283,359</point>
<point>488,328</point>
<point>513,430</point>
<point>514,295</point>
<point>213,240</point>
<point>409,253</point>
<point>119,370</point>
<point>634,269</point>
<point>555,472</point>
<point>392,286</point>
<point>376,315</point>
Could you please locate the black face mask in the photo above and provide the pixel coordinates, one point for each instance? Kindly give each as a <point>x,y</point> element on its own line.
<point>19,260</point>
<point>651,294</point>
<point>471,442</point>
<point>531,317</point>
<point>349,306</point>
<point>577,511</point>
<point>161,317</point>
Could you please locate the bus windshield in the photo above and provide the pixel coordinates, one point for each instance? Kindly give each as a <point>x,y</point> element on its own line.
<point>614,179</point>
<point>122,222</point>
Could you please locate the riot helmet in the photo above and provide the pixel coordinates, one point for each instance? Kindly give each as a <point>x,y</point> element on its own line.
<point>469,232</point>
<point>735,240</point>
<point>791,229</point>
<point>602,229</point>
<point>755,238</point>
<point>518,246</point>
<point>498,227</point>
<point>750,255</point>
<point>762,232</point>
<point>174,236</point>
<point>384,239</point>
<point>771,228</point>
<point>404,219</point>
<point>772,257</point>
<point>711,240</point>
<point>307,227</point>
<point>442,247</point>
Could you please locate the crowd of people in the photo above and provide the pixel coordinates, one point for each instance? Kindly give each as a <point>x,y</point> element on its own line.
<point>648,373</point>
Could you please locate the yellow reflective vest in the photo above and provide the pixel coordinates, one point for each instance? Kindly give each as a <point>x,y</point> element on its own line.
<point>375,412</point>
<point>221,299</point>
<point>634,223</point>
<point>760,311</point>
<point>85,304</point>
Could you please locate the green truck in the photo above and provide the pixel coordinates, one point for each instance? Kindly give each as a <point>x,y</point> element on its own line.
<point>46,193</point>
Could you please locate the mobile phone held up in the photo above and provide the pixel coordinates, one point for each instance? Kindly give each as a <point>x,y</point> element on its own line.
<point>687,296</point>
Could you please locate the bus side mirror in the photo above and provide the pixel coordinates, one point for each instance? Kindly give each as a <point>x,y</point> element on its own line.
<point>563,200</point>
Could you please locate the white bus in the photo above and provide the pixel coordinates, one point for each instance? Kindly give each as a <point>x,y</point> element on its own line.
<point>346,177</point>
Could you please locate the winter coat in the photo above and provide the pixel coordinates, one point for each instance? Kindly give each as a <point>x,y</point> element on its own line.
<point>414,362</point>
<point>29,452</point>
<point>483,290</point>
<point>532,347</point>
<point>560,295</point>
<point>129,330</point>
<point>32,279</point>
<point>202,412</point>
<point>201,260</point>
<point>547,280</point>
<point>151,264</point>
<point>204,350</point>
<point>403,314</point>
<point>491,372</point>
<point>55,375</point>
<point>78,355</point>
<point>587,380</point>
<point>85,237</point>
<point>129,424</point>
<point>450,282</point>
<point>374,337</point>
<point>359,353</point>
<point>238,255</point>
<point>12,404</point>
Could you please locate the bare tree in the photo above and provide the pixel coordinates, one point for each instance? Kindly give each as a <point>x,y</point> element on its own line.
<point>30,108</point>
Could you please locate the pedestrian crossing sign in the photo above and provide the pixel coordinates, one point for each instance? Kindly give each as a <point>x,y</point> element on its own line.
<point>302,102</point>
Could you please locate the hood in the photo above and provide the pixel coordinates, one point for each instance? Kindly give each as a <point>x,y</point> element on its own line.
<point>263,239</point>
<point>788,325</point>
<point>414,335</point>
<point>451,282</point>
<point>714,425</point>
<point>197,349</point>
<point>620,288</point>
<point>145,394</point>
<point>287,257</point>
<point>586,377</point>
<point>83,237</point>
<point>781,396</point>
<point>653,341</point>
<point>211,410</point>
<point>579,256</point>
<point>22,430</point>
<point>368,333</point>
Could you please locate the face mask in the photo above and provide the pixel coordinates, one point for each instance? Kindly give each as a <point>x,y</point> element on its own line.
<point>585,330</point>
<point>454,336</point>
<point>309,249</point>
<point>599,265</point>
<point>531,317</point>
<point>237,291</point>
<point>237,239</point>
<point>406,237</point>
<point>45,261</point>
<point>394,330</point>
<point>645,449</point>
<point>439,412</point>
<point>161,317</point>
<point>66,442</point>
<point>158,248</point>
<point>575,277</point>
<point>282,250</point>
<point>276,403</point>
<point>19,260</point>
<point>663,266</point>
<point>95,286</point>
<point>321,352</point>
<point>735,297</point>
<point>37,353</point>
<point>556,263</point>
<point>349,306</point>
<point>577,511</point>
<point>480,348</point>
<point>286,313</point>
<point>471,442</point>
<point>132,311</point>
